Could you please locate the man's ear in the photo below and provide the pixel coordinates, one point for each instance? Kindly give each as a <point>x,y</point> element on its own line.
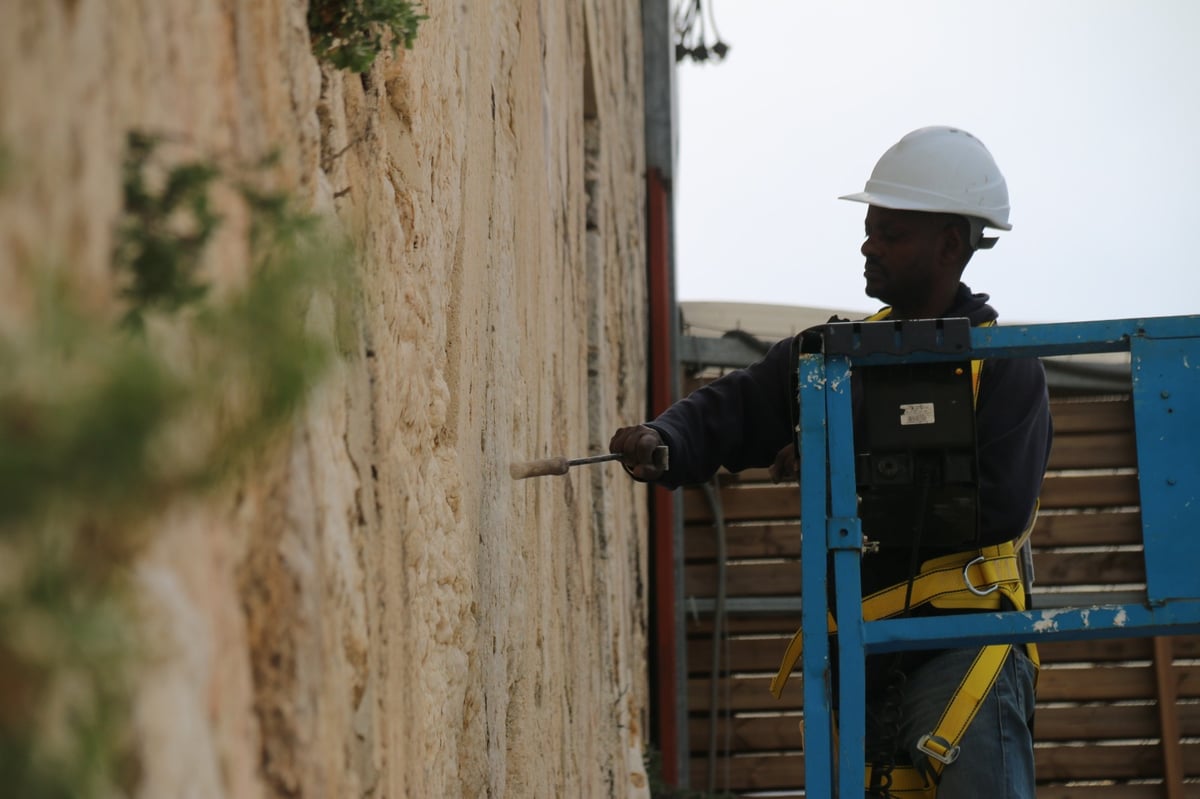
<point>953,247</point>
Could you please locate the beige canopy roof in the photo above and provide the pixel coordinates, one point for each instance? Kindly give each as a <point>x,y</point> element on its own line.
<point>767,323</point>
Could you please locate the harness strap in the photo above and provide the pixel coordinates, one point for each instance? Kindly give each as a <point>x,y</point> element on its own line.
<point>905,782</point>
<point>976,579</point>
<point>791,656</point>
<point>941,746</point>
<point>979,579</point>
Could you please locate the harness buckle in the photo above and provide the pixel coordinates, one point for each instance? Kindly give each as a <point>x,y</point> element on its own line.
<point>944,753</point>
<point>968,583</point>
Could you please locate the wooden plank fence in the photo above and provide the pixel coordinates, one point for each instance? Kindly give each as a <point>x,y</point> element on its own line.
<point>1116,718</point>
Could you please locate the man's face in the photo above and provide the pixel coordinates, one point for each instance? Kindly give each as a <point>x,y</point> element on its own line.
<point>902,251</point>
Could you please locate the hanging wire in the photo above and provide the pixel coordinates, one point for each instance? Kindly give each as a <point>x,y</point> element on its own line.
<point>720,639</point>
<point>693,20</point>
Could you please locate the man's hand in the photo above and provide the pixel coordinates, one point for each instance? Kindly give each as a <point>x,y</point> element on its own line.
<point>786,465</point>
<point>637,445</point>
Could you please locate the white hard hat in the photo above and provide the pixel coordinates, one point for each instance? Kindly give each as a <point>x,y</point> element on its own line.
<point>942,170</point>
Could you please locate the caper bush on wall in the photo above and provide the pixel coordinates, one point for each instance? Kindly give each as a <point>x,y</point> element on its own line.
<point>350,34</point>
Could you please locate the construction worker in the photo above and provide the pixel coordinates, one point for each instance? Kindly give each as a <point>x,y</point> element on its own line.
<point>929,199</point>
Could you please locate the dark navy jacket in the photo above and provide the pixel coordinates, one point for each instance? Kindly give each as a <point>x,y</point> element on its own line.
<point>743,419</point>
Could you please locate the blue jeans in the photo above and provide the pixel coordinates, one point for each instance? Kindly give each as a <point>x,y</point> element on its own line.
<point>996,759</point>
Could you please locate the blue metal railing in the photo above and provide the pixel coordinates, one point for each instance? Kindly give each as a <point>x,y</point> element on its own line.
<point>1165,375</point>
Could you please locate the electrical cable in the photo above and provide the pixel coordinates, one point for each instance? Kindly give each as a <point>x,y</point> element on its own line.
<point>692,21</point>
<point>713,494</point>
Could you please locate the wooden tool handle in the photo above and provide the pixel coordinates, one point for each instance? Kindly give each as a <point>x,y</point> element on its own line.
<point>519,471</point>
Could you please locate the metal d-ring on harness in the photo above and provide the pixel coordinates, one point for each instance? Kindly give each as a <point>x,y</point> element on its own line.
<point>988,578</point>
<point>966,573</point>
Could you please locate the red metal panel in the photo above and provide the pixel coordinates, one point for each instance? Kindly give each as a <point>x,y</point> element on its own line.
<point>662,507</point>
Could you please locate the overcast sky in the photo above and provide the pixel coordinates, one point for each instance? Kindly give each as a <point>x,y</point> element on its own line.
<point>1091,108</point>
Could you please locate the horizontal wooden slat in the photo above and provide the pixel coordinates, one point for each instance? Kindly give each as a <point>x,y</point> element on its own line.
<point>1112,683</point>
<point>743,541</point>
<point>747,733</point>
<point>1098,722</point>
<point>1098,684</point>
<point>1087,529</point>
<point>744,579</point>
<point>1113,791</point>
<point>1099,650</point>
<point>754,654</point>
<point>1088,568</point>
<point>1093,451</point>
<point>782,624</point>
<point>1185,647</point>
<point>1089,491</point>
<point>1091,416</point>
<point>738,694</point>
<point>762,654</point>
<point>752,773</point>
<point>746,504</point>
<point>1111,762</point>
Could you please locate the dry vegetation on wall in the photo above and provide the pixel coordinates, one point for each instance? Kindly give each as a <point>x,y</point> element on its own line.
<point>104,421</point>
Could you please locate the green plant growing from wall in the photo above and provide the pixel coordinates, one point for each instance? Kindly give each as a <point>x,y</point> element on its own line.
<point>101,427</point>
<point>350,34</point>
<point>163,232</point>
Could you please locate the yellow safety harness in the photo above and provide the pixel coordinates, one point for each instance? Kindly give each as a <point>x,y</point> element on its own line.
<point>988,578</point>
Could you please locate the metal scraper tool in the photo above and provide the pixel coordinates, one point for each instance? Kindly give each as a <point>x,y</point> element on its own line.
<point>560,465</point>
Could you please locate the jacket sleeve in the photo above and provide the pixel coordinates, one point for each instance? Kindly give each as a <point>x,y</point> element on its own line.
<point>738,421</point>
<point>1014,436</point>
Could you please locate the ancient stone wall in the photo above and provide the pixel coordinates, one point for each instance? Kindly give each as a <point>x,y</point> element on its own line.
<point>372,607</point>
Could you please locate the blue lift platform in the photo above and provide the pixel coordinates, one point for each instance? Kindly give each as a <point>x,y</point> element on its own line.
<point>1165,371</point>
